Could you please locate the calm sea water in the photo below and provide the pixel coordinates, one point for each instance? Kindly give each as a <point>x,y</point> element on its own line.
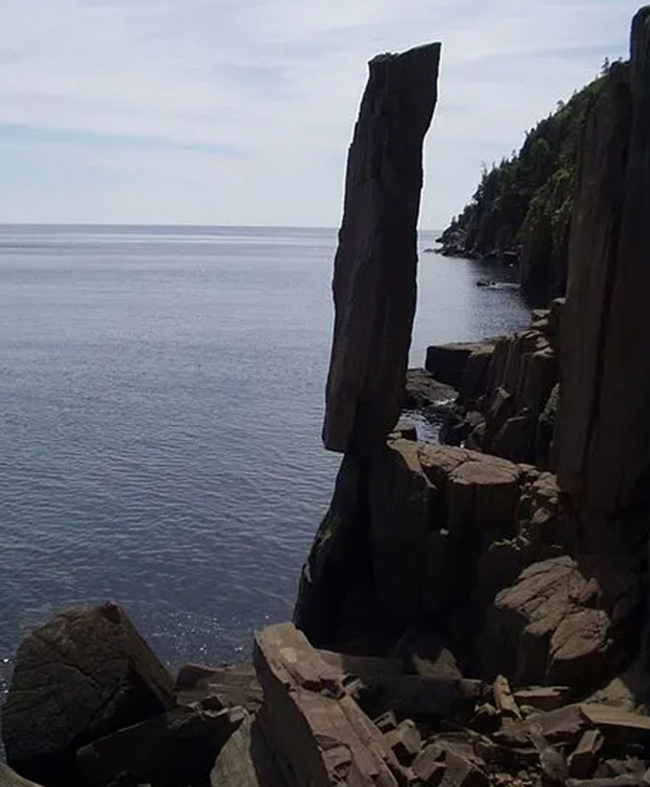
<point>161,397</point>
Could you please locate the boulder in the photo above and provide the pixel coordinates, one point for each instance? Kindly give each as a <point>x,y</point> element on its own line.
<point>561,623</point>
<point>246,760</point>
<point>448,363</point>
<point>376,262</point>
<point>84,674</point>
<point>424,392</point>
<point>234,685</point>
<point>317,731</point>
<point>405,741</point>
<point>619,727</point>
<point>178,747</point>
<point>582,760</point>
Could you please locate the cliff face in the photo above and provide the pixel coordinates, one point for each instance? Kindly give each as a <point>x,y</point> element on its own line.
<point>521,210</point>
<point>521,572</point>
<point>603,434</point>
<point>376,261</point>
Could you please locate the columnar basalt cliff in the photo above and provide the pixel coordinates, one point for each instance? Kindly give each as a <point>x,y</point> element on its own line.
<point>374,295</point>
<point>603,433</point>
<point>433,562</point>
<point>376,262</point>
<point>448,540</point>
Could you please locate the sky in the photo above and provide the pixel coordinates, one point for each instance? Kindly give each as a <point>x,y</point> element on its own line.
<point>241,112</point>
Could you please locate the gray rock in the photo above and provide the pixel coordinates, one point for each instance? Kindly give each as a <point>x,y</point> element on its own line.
<point>375,266</point>
<point>81,676</point>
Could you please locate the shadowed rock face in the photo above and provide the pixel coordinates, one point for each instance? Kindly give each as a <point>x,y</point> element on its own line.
<point>603,432</point>
<point>376,261</point>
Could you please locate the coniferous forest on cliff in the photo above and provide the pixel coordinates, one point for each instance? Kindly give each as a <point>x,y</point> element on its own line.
<point>521,210</point>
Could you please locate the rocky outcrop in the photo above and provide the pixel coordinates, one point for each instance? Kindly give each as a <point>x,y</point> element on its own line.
<point>448,362</point>
<point>424,531</point>
<point>508,393</point>
<point>375,266</point>
<point>83,675</point>
<point>565,621</point>
<point>603,431</point>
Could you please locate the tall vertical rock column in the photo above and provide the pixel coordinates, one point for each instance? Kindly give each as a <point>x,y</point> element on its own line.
<point>374,291</point>
<point>376,261</point>
<point>603,431</point>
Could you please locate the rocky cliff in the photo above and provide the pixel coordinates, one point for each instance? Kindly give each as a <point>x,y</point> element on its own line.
<point>463,619</point>
<point>478,550</point>
<point>521,211</point>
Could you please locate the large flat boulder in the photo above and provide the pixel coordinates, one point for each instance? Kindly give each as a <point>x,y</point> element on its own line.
<point>84,674</point>
<point>319,733</point>
<point>376,262</point>
<point>449,362</point>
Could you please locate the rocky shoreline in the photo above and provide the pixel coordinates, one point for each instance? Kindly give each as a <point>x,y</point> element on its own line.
<point>470,613</point>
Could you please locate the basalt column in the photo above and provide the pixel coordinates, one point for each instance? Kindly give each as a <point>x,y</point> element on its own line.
<point>603,433</point>
<point>374,291</point>
<point>376,261</point>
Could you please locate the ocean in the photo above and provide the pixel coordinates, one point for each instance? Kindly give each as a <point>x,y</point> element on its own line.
<point>161,398</point>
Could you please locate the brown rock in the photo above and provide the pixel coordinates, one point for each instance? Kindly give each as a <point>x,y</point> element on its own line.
<point>245,760</point>
<point>178,747</point>
<point>230,686</point>
<point>543,698</point>
<point>405,741</point>
<point>448,363</point>
<point>429,765</point>
<point>402,503</point>
<point>617,725</point>
<point>582,760</point>
<point>424,391</point>
<point>430,659</point>
<point>386,721</point>
<point>486,718</point>
<point>404,430</point>
<point>504,699</point>
<point>551,617</point>
<point>411,695</point>
<point>84,674</point>
<point>482,498</point>
<point>461,772</point>
<point>563,726</point>
<point>361,666</point>
<point>375,266</point>
<point>318,732</point>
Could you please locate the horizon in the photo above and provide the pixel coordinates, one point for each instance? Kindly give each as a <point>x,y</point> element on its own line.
<point>170,114</point>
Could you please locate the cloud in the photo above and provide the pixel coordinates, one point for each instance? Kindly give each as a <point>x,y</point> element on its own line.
<point>214,111</point>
